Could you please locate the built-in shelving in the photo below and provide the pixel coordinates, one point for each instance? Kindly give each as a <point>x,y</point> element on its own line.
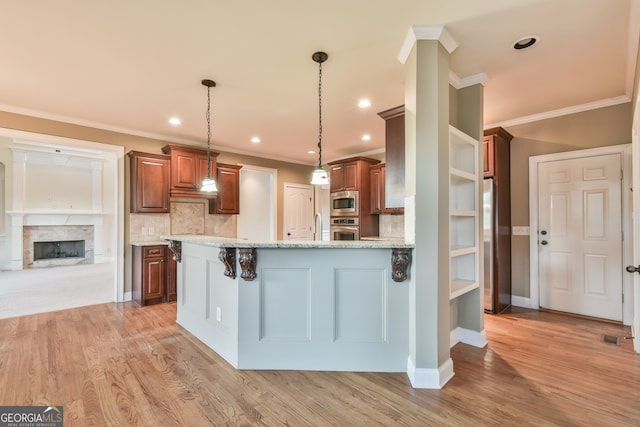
<point>464,246</point>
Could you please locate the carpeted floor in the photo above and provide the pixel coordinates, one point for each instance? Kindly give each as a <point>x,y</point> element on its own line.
<point>41,290</point>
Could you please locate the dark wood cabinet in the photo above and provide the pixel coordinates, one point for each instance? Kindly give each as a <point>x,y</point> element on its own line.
<point>189,166</point>
<point>497,166</point>
<point>394,159</point>
<point>344,176</point>
<point>228,198</point>
<point>150,181</point>
<point>351,174</point>
<point>376,180</point>
<point>172,277</point>
<point>149,269</point>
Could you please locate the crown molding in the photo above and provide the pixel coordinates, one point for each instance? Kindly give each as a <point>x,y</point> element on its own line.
<point>603,103</point>
<point>461,83</point>
<point>426,32</point>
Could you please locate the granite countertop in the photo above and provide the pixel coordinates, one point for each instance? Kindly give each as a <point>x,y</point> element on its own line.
<point>150,243</point>
<point>223,242</point>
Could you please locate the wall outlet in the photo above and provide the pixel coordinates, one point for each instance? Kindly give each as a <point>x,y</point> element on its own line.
<point>152,231</point>
<point>144,231</point>
<point>218,314</point>
<point>520,230</point>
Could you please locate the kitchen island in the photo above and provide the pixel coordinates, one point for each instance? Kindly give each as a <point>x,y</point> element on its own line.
<point>306,305</point>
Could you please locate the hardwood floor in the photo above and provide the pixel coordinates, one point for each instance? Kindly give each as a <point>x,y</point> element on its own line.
<point>119,365</point>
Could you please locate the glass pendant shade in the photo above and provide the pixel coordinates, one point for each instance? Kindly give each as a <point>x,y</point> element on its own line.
<point>209,185</point>
<point>319,177</point>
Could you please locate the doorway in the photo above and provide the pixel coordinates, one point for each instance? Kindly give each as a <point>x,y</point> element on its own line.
<point>257,218</point>
<point>579,203</point>
<point>298,212</point>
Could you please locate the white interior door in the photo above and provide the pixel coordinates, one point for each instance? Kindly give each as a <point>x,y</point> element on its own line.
<point>635,139</point>
<point>298,212</point>
<point>580,236</point>
<point>257,219</point>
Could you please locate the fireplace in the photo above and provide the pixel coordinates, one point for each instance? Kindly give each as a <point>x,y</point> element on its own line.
<point>58,245</point>
<point>58,249</point>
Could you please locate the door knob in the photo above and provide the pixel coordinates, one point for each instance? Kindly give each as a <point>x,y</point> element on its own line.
<point>633,269</point>
<point>544,242</point>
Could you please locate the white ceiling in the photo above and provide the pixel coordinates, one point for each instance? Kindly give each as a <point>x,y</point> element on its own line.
<point>131,65</point>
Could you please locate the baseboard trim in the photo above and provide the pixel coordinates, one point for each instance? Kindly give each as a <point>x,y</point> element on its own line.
<point>523,302</point>
<point>430,378</point>
<point>468,336</point>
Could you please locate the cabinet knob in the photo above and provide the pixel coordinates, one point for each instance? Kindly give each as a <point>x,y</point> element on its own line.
<point>544,243</point>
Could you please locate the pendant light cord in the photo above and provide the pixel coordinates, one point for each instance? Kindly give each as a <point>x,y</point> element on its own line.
<point>320,117</point>
<point>208,132</point>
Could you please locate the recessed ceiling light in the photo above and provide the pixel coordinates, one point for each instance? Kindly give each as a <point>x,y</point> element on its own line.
<point>525,42</point>
<point>364,103</point>
<point>366,137</point>
<point>175,121</point>
<point>255,140</point>
<point>311,152</point>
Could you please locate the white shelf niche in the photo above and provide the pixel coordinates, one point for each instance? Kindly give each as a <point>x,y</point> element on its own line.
<point>463,213</point>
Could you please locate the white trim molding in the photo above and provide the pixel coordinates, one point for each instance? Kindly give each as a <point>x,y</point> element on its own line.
<point>430,378</point>
<point>426,32</point>
<point>467,336</point>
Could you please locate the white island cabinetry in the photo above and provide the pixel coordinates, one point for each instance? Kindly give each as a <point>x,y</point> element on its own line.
<point>296,305</point>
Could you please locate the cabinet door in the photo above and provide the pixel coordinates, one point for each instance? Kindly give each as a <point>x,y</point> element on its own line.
<point>376,179</point>
<point>394,159</point>
<point>203,168</point>
<point>153,280</point>
<point>149,184</point>
<point>337,174</point>
<point>183,171</point>
<point>171,281</point>
<point>350,176</point>
<point>228,200</point>
<point>488,153</point>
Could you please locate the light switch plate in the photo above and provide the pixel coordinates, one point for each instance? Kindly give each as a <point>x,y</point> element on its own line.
<point>520,230</point>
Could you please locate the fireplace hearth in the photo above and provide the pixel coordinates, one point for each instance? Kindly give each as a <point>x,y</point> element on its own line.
<point>58,249</point>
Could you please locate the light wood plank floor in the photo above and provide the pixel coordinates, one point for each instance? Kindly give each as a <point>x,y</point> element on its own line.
<point>119,365</point>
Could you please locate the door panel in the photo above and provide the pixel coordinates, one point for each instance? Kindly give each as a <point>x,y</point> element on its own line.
<point>298,212</point>
<point>580,241</point>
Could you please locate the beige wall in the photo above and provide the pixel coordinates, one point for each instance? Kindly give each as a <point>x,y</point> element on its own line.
<point>595,128</point>
<point>287,172</point>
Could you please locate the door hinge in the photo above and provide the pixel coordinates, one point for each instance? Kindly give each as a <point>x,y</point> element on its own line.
<point>623,298</point>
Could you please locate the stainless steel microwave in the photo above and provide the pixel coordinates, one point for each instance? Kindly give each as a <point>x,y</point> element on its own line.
<point>345,203</point>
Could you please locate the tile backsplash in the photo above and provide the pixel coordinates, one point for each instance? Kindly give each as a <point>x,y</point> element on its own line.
<point>391,226</point>
<point>188,216</point>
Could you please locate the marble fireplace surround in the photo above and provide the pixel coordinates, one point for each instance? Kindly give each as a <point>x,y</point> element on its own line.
<point>33,234</point>
<point>51,226</point>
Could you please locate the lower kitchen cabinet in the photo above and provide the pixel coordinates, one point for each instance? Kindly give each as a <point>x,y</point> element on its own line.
<point>153,275</point>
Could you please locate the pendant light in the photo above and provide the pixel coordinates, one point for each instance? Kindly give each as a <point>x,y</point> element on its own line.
<point>209,184</point>
<point>319,176</point>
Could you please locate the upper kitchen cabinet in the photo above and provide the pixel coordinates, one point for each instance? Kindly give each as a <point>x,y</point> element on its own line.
<point>150,180</point>
<point>228,198</point>
<point>350,174</point>
<point>376,182</point>
<point>189,166</point>
<point>394,159</point>
<point>496,153</point>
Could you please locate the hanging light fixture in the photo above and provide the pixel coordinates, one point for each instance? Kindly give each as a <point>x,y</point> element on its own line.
<point>209,184</point>
<point>319,176</point>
